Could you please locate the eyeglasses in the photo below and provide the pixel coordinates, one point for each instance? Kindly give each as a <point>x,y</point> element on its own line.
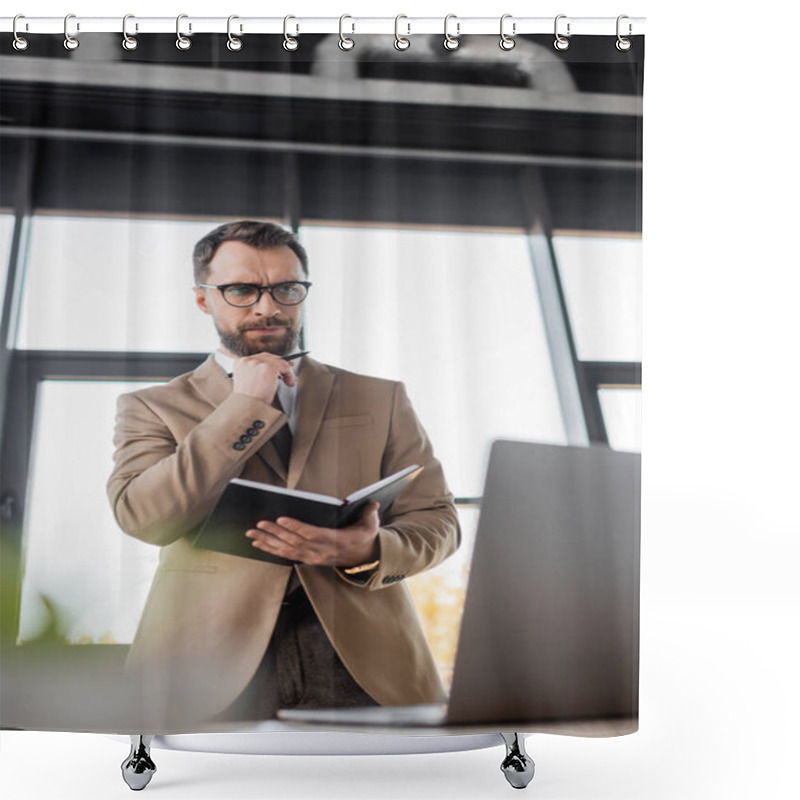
<point>242,295</point>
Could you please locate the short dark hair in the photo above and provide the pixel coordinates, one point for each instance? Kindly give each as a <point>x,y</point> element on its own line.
<point>260,235</point>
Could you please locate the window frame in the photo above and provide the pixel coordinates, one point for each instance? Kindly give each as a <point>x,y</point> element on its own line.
<point>23,370</point>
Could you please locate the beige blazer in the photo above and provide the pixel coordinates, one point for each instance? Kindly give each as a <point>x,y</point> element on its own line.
<point>209,616</point>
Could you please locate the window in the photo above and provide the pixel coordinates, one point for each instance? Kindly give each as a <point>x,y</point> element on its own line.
<point>439,596</point>
<point>75,558</point>
<point>95,283</point>
<point>622,414</point>
<point>602,280</point>
<point>454,315</point>
<point>6,232</point>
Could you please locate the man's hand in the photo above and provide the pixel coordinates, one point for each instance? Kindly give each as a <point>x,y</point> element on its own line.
<point>322,547</point>
<point>258,375</point>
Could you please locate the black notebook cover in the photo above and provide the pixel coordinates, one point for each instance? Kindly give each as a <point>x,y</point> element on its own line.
<point>244,503</point>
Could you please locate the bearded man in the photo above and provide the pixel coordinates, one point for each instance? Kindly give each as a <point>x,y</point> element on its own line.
<point>224,637</point>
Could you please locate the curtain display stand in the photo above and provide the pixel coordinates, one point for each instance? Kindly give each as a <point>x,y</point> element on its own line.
<point>275,737</point>
<point>139,767</point>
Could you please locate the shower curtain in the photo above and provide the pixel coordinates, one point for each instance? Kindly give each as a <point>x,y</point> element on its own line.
<point>472,219</point>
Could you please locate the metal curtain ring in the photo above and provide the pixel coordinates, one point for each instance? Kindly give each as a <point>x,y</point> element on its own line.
<point>346,43</point>
<point>561,42</point>
<point>290,44</point>
<point>20,42</point>
<point>623,44</point>
<point>182,42</point>
<point>506,42</point>
<point>400,42</point>
<point>233,44</point>
<point>129,42</point>
<point>70,42</point>
<point>451,42</point>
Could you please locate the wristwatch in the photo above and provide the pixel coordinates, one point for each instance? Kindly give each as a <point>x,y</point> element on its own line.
<point>361,568</point>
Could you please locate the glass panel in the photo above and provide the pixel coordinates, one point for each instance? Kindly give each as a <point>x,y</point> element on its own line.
<point>602,279</point>
<point>454,315</point>
<point>6,232</point>
<point>112,284</point>
<point>622,415</point>
<point>94,577</point>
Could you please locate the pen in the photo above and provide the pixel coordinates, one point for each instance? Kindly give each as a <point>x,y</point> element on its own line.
<point>293,356</point>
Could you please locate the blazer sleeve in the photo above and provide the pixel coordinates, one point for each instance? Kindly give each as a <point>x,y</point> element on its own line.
<point>164,484</point>
<point>421,528</point>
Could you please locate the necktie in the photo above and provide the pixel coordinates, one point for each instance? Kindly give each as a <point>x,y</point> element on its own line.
<point>282,439</point>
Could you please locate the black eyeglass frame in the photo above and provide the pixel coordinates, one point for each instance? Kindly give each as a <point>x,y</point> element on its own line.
<point>260,289</point>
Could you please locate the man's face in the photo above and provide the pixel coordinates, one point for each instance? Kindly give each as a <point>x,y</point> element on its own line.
<point>266,327</point>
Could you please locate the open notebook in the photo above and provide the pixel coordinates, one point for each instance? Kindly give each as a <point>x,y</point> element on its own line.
<point>550,631</point>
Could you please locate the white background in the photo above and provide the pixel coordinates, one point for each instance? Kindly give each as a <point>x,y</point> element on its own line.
<point>719,695</point>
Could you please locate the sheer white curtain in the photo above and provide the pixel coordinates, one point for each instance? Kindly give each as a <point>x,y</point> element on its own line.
<point>455,316</point>
<point>452,313</point>
<point>93,283</point>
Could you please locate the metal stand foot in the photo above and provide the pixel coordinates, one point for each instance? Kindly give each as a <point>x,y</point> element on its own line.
<point>138,768</point>
<point>517,766</point>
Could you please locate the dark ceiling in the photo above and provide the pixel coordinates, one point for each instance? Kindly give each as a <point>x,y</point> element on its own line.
<point>162,150</point>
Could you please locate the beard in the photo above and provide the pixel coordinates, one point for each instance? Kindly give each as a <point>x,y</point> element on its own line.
<point>239,344</point>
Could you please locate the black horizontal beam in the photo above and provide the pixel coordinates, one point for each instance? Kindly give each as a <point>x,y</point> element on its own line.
<point>622,373</point>
<point>340,121</point>
<point>36,365</point>
<point>594,64</point>
<point>115,177</point>
<point>592,375</point>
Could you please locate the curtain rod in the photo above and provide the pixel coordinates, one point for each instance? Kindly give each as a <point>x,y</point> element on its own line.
<point>347,25</point>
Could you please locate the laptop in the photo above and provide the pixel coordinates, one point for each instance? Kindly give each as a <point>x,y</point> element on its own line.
<point>550,629</point>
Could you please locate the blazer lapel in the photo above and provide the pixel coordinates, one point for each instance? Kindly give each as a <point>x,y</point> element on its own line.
<point>270,456</point>
<point>211,382</point>
<point>314,390</point>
